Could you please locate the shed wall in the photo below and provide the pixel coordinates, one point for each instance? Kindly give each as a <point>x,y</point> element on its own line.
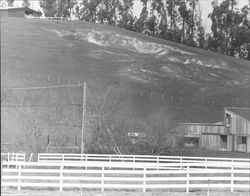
<point>211,142</point>
<point>230,143</point>
<point>239,125</point>
<point>3,13</point>
<point>198,129</point>
<point>209,134</point>
<point>16,13</point>
<point>248,144</point>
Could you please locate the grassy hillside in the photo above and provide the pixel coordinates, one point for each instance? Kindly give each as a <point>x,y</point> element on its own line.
<point>149,77</point>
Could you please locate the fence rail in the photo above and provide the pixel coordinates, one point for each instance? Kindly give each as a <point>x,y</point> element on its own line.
<point>12,156</point>
<point>57,157</point>
<point>121,175</point>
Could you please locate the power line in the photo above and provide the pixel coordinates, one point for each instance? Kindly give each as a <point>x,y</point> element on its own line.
<point>38,105</point>
<point>92,99</point>
<point>43,87</point>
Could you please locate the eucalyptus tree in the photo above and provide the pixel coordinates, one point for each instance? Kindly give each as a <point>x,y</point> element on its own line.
<point>108,12</point>
<point>230,28</point>
<point>10,3</point>
<point>49,7</point>
<point>26,3</point>
<point>89,10</point>
<point>125,10</point>
<point>140,24</point>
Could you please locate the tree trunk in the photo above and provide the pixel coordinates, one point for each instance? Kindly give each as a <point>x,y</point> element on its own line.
<point>183,30</point>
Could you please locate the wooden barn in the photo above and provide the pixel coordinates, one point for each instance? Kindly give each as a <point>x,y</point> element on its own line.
<point>210,136</point>
<point>231,135</point>
<point>237,125</point>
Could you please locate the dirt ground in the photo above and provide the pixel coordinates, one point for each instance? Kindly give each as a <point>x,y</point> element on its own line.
<point>14,192</point>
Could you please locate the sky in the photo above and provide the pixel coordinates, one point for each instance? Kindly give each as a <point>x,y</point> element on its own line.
<point>205,6</point>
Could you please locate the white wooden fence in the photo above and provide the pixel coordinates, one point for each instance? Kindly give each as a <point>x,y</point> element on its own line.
<point>126,175</point>
<point>12,156</point>
<point>59,157</point>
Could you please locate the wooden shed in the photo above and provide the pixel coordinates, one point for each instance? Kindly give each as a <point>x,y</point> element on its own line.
<point>210,136</point>
<point>20,12</point>
<point>231,135</point>
<point>237,125</point>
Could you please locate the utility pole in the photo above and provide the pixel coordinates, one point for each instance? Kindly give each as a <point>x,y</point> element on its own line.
<point>83,118</point>
<point>33,139</point>
<point>33,132</point>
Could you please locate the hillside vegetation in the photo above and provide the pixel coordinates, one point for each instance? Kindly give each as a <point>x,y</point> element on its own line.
<point>143,80</point>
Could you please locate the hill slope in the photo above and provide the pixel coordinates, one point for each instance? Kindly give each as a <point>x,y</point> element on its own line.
<point>167,77</point>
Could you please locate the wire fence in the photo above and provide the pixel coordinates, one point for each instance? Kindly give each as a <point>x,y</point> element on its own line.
<point>32,78</point>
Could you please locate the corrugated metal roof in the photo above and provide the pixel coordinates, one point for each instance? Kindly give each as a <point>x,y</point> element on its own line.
<point>243,112</point>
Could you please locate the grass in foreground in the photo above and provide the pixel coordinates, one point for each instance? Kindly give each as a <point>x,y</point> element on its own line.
<point>9,192</point>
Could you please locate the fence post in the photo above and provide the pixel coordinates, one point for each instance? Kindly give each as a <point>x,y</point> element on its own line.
<point>181,163</point>
<point>12,156</point>
<point>61,177</point>
<point>133,162</point>
<point>157,163</point>
<point>19,177</point>
<point>8,159</point>
<point>31,157</point>
<point>187,184</point>
<point>63,158</point>
<point>232,178</point>
<point>102,179</point>
<point>208,189</point>
<point>84,157</point>
<point>144,179</point>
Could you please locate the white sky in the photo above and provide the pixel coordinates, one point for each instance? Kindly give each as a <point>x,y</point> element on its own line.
<point>205,5</point>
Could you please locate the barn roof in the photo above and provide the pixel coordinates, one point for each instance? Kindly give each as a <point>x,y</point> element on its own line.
<point>31,11</point>
<point>25,9</point>
<point>243,112</point>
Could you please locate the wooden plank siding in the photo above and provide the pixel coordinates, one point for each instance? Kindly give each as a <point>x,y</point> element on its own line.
<point>209,134</point>
<point>248,144</point>
<point>237,127</point>
<point>212,142</point>
<point>232,135</point>
<point>196,129</point>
